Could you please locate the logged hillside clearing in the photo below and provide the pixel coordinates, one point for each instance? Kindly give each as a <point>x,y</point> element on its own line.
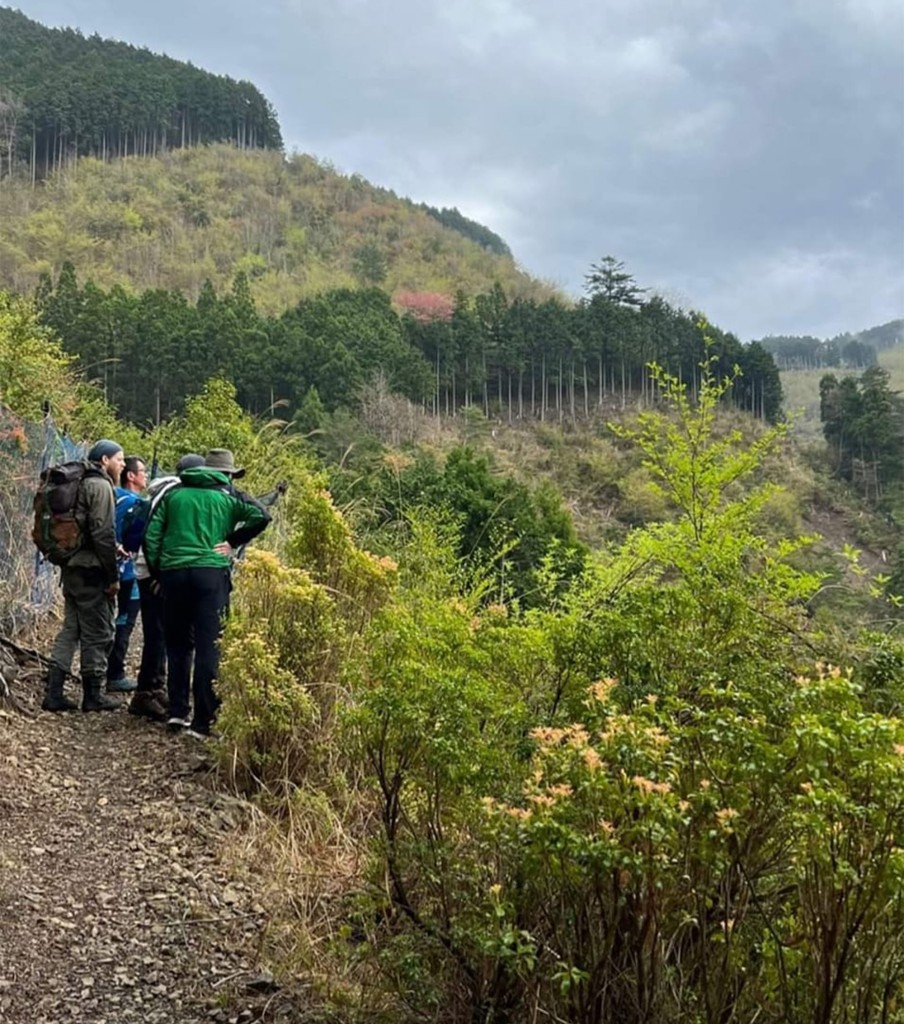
<point>800,389</point>
<point>295,227</point>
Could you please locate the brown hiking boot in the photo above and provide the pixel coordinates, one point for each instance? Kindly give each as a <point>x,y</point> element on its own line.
<point>149,704</point>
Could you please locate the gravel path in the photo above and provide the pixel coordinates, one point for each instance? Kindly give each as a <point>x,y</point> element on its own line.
<point>115,904</point>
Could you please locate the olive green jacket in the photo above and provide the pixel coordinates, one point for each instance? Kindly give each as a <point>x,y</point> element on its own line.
<point>95,512</point>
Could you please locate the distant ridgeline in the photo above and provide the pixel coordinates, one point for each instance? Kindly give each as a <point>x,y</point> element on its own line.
<point>64,95</point>
<point>469,228</point>
<point>851,351</point>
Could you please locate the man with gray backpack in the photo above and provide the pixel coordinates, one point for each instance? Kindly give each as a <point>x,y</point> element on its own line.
<point>74,528</point>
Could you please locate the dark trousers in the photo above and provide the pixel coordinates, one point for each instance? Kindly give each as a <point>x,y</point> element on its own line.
<point>152,673</point>
<point>195,604</point>
<point>87,622</point>
<point>127,609</point>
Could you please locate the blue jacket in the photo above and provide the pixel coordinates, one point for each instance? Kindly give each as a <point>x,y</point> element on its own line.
<point>124,501</point>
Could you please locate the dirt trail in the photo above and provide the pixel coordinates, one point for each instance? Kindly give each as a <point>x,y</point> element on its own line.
<point>115,901</point>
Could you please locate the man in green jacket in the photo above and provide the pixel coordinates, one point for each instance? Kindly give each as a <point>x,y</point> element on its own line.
<point>90,581</point>
<point>188,544</point>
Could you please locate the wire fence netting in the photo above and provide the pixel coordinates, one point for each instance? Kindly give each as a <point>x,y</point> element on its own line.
<point>28,584</point>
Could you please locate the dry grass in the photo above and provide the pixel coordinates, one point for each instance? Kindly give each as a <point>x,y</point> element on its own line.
<point>307,867</point>
<point>892,359</point>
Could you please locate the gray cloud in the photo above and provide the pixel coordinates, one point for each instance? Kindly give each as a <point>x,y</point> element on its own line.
<point>747,158</point>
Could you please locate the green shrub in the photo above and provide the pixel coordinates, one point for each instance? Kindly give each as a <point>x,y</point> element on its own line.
<point>292,631</point>
<point>505,529</point>
<point>715,836</point>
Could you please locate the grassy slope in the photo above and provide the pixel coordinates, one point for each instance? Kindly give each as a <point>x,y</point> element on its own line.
<point>609,492</point>
<point>294,225</point>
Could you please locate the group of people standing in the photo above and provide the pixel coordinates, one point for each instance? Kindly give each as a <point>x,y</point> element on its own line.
<point>162,550</point>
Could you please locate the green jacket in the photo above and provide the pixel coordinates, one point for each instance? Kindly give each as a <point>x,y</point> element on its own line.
<point>192,519</point>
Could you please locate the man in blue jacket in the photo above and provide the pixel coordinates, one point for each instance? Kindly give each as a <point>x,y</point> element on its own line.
<point>133,481</point>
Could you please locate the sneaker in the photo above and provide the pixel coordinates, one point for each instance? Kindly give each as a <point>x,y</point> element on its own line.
<point>121,685</point>
<point>148,704</point>
<point>176,724</point>
<point>207,737</point>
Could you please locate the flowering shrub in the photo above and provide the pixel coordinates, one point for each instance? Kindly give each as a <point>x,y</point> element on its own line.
<point>290,636</point>
<point>635,803</point>
<point>739,858</point>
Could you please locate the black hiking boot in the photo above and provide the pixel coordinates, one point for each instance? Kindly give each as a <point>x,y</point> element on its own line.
<point>54,698</point>
<point>93,698</point>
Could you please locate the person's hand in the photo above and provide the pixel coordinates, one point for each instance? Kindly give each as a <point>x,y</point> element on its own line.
<point>121,552</point>
<point>224,548</point>
<point>112,589</point>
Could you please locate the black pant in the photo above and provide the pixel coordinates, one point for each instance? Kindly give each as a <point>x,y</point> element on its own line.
<point>127,608</point>
<point>195,604</point>
<point>152,673</point>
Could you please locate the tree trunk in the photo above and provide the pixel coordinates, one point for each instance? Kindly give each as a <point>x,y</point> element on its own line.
<point>571,382</point>
<point>543,387</point>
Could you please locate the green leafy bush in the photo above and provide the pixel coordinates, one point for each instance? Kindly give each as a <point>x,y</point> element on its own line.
<point>292,631</point>
<point>633,803</point>
<point>504,529</point>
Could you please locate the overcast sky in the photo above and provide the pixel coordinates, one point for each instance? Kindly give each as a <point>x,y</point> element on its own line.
<point>743,157</point>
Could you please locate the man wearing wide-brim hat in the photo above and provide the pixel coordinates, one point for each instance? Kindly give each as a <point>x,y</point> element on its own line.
<point>223,461</point>
<point>188,545</point>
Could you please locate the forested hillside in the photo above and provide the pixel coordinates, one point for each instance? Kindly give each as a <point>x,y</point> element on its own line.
<point>510,358</point>
<point>848,351</point>
<point>529,707</point>
<point>295,226</point>
<point>64,95</point>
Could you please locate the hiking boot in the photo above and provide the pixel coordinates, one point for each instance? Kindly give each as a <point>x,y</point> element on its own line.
<point>149,704</point>
<point>176,724</point>
<point>92,697</point>
<point>121,685</point>
<point>54,698</point>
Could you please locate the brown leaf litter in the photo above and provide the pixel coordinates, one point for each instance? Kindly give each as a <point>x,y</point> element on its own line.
<point>118,902</point>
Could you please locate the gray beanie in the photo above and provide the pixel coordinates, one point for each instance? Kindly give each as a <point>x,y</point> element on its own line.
<point>189,461</point>
<point>103,448</point>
